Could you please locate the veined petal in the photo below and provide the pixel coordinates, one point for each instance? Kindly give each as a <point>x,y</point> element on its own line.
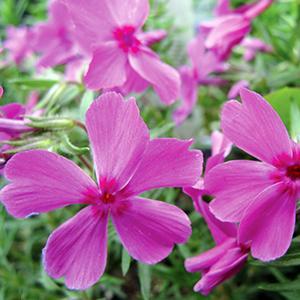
<point>167,162</point>
<point>107,68</point>
<point>269,223</point>
<point>129,12</point>
<point>77,249</point>
<point>255,127</point>
<point>118,136</point>
<point>93,22</point>
<point>164,78</point>
<point>42,181</point>
<point>148,229</point>
<point>235,184</point>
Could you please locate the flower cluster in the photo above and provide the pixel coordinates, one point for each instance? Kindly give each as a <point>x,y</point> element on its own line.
<point>254,202</point>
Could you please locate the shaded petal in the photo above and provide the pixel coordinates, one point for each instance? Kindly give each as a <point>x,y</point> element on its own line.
<point>219,230</point>
<point>164,78</point>
<point>204,261</point>
<point>107,68</point>
<point>235,184</point>
<point>220,143</point>
<point>167,162</point>
<point>134,82</point>
<point>12,111</point>
<point>255,127</point>
<point>188,93</point>
<point>228,265</point>
<point>148,229</point>
<point>43,181</point>
<point>77,249</point>
<point>118,136</point>
<point>269,223</point>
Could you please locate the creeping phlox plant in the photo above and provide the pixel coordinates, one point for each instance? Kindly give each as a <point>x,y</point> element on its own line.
<point>117,163</point>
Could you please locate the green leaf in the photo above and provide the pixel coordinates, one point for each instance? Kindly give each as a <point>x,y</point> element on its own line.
<point>144,274</point>
<point>126,259</point>
<point>295,122</point>
<point>86,101</point>
<point>29,83</point>
<point>282,100</point>
<point>282,287</point>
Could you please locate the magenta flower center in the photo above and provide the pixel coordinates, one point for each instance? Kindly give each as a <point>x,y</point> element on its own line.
<point>107,198</point>
<point>293,172</point>
<point>126,39</point>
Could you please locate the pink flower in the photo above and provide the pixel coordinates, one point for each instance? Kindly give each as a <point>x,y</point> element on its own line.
<point>18,43</point>
<point>127,164</point>
<point>13,123</point>
<point>235,89</point>
<point>262,196</point>
<point>252,46</point>
<point>228,256</point>
<point>203,64</point>
<point>110,31</point>
<point>227,31</point>
<point>221,262</point>
<point>54,39</point>
<point>223,8</point>
<point>220,148</point>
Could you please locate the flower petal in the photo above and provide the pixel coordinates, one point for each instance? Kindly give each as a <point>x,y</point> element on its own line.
<point>228,265</point>
<point>219,230</point>
<point>93,22</point>
<point>269,223</point>
<point>43,181</point>
<point>167,162</point>
<point>134,82</point>
<point>235,184</point>
<point>77,249</point>
<point>204,261</point>
<point>151,37</point>
<point>118,137</point>
<point>129,12</point>
<point>189,92</point>
<point>148,229</point>
<point>255,127</point>
<point>107,68</point>
<point>164,78</point>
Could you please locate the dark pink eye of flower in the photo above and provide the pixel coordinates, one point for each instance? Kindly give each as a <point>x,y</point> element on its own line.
<point>126,38</point>
<point>293,172</point>
<point>107,198</point>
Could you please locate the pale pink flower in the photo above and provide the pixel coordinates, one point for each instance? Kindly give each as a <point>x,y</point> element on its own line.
<point>54,39</point>
<point>252,46</point>
<point>227,31</point>
<point>111,32</point>
<point>223,8</point>
<point>18,43</point>
<point>262,196</point>
<point>221,262</point>
<point>127,163</point>
<point>203,63</point>
<point>235,89</point>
